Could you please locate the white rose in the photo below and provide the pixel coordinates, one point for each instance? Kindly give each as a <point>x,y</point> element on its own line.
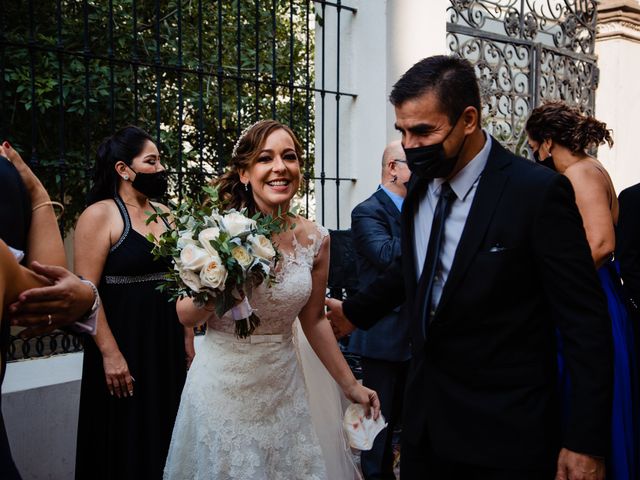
<point>261,246</point>
<point>185,238</point>
<point>242,256</point>
<point>205,237</point>
<point>193,258</point>
<point>213,274</point>
<point>191,280</point>
<point>236,224</point>
<point>214,219</point>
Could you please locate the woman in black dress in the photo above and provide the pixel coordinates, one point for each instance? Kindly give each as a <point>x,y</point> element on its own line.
<point>134,371</point>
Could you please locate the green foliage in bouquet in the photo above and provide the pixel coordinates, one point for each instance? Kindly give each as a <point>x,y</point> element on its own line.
<point>217,256</point>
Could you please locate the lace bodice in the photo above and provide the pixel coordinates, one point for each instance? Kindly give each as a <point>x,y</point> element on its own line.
<point>278,305</point>
<point>244,413</point>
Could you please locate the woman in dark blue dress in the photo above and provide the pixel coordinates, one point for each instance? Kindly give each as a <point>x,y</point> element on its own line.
<point>560,137</point>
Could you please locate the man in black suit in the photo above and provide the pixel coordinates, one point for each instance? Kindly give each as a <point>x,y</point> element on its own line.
<point>628,241</point>
<point>384,348</point>
<point>495,261</point>
<point>628,253</point>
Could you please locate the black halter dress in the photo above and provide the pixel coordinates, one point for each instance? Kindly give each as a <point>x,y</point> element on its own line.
<point>128,438</point>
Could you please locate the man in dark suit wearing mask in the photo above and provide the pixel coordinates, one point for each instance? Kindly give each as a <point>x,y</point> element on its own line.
<point>384,348</point>
<point>494,261</point>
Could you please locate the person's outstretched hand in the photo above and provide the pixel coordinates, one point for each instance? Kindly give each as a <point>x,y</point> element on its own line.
<point>578,466</point>
<point>44,309</point>
<point>339,322</point>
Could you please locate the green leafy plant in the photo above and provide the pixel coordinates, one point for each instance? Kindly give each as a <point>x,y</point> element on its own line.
<point>191,73</point>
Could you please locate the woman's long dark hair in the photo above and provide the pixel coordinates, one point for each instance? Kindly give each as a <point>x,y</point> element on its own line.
<point>566,126</point>
<point>231,190</point>
<point>124,145</point>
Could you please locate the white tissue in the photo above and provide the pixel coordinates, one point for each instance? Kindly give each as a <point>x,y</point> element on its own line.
<point>361,430</point>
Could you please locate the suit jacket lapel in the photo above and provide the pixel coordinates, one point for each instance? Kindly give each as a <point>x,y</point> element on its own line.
<point>490,187</point>
<point>415,188</point>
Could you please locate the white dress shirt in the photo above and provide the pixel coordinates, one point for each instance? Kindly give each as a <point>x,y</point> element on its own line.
<point>464,185</point>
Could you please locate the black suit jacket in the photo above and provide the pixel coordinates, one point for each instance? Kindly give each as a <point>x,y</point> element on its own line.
<point>628,241</point>
<point>483,384</point>
<point>375,229</point>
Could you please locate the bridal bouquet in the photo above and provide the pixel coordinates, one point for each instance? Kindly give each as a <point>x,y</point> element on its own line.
<point>218,255</point>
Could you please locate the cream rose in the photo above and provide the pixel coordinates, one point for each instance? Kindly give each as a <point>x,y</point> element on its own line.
<point>205,237</point>
<point>214,219</point>
<point>213,274</point>
<point>242,256</point>
<point>185,238</point>
<point>191,279</point>
<point>236,224</point>
<point>261,247</point>
<point>193,258</point>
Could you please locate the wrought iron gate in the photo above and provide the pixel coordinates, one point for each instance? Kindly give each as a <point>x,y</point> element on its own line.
<point>525,52</point>
<point>193,73</point>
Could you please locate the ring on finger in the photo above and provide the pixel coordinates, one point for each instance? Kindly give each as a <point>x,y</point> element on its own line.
<point>50,318</point>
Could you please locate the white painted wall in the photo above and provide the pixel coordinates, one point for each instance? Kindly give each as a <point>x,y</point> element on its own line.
<point>618,96</point>
<point>40,400</point>
<point>379,43</point>
<point>40,404</point>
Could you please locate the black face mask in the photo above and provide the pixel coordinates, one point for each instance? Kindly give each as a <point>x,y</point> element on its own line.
<point>547,162</point>
<point>151,185</point>
<point>430,161</point>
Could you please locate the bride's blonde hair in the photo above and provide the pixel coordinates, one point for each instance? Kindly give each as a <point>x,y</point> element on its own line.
<point>232,191</point>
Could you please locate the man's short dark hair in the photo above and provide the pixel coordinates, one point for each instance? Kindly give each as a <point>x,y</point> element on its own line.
<point>452,80</point>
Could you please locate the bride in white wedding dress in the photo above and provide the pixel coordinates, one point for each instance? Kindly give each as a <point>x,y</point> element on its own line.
<point>245,409</point>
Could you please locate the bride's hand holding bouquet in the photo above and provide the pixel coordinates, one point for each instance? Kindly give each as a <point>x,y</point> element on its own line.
<point>218,255</point>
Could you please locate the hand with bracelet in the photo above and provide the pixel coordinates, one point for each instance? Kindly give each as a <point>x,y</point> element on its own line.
<point>67,301</point>
<point>43,224</point>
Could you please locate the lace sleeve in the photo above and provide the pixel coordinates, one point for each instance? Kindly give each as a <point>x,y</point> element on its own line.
<point>322,234</point>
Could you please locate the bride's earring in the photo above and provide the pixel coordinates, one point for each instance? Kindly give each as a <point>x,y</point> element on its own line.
<point>246,187</point>
<point>125,177</point>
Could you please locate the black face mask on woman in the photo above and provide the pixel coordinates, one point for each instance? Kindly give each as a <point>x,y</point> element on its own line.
<point>151,185</point>
<point>430,161</point>
<point>547,162</point>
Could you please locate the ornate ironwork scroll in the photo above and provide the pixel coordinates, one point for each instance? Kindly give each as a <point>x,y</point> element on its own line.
<point>525,52</point>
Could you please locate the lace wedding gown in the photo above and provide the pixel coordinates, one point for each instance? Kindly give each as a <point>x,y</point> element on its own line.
<point>245,411</point>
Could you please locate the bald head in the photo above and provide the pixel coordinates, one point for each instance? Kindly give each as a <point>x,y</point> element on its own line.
<point>393,151</point>
<point>394,168</point>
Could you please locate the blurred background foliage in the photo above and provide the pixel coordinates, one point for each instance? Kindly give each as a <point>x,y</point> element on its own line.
<point>192,73</point>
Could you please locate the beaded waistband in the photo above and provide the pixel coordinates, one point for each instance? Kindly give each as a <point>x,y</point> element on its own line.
<point>126,279</point>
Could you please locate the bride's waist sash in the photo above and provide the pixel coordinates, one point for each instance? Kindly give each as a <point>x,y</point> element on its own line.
<point>219,336</point>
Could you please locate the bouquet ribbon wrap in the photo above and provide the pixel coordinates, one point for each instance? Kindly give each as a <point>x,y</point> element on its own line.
<point>245,318</point>
<point>242,311</point>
